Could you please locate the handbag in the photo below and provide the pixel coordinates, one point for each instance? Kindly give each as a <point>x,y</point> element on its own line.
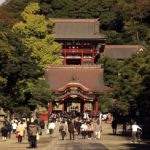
<point>47,131</point>
<point>37,136</point>
<point>17,134</point>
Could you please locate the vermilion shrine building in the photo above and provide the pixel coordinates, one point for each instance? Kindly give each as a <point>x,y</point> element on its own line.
<point>78,83</point>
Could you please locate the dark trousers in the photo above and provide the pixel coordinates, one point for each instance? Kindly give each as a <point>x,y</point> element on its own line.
<point>33,141</point>
<point>114,130</point>
<point>19,139</point>
<point>63,133</point>
<point>90,134</point>
<point>71,135</point>
<point>84,133</point>
<point>78,129</point>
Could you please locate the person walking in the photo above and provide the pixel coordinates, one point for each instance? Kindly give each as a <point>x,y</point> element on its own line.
<point>84,129</point>
<point>78,126</point>
<point>124,127</point>
<point>4,131</point>
<point>98,129</point>
<point>71,129</point>
<point>33,130</point>
<point>42,126</point>
<point>135,128</point>
<point>51,127</point>
<point>114,126</point>
<point>14,127</point>
<point>20,131</point>
<point>63,129</point>
<point>90,129</point>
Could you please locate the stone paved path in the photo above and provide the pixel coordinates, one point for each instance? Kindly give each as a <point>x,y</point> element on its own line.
<point>108,141</point>
<point>77,144</point>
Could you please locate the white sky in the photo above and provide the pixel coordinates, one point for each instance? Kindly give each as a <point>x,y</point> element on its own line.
<point>1,1</point>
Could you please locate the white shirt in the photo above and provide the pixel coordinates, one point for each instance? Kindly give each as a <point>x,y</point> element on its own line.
<point>135,128</point>
<point>14,126</point>
<point>84,127</point>
<point>51,125</point>
<point>86,116</point>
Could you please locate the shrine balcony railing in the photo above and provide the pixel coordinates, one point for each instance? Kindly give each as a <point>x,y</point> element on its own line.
<point>75,50</point>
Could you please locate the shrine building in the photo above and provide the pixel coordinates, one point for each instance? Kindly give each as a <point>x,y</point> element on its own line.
<point>77,83</point>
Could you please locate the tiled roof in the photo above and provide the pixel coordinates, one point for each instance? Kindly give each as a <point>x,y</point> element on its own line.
<point>91,77</point>
<point>77,29</point>
<point>121,51</point>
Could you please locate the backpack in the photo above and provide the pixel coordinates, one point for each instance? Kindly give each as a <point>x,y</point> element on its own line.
<point>61,128</point>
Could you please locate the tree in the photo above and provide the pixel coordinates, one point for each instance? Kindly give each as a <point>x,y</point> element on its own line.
<point>132,88</point>
<point>134,12</point>
<point>24,55</point>
<point>16,70</point>
<point>36,33</point>
<point>111,70</point>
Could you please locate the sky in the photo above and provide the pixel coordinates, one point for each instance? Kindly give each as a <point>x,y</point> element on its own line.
<point>1,1</point>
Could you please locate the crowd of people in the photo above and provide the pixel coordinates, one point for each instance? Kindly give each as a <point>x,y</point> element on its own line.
<point>21,128</point>
<point>85,125</point>
<point>88,129</point>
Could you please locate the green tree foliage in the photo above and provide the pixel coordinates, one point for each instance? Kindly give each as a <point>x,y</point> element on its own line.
<point>130,82</point>
<point>6,19</point>
<point>15,69</point>
<point>23,60</point>
<point>36,33</point>
<point>111,70</point>
<point>124,21</point>
<point>132,88</point>
<point>17,6</point>
<point>134,13</point>
<point>106,103</point>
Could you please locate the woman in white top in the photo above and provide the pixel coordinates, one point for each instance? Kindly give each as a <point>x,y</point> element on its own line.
<point>51,127</point>
<point>14,127</point>
<point>84,129</point>
<point>135,128</point>
<point>98,129</point>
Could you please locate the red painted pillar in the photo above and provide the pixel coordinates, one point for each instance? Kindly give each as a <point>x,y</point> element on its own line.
<point>63,106</point>
<point>82,60</point>
<point>96,106</point>
<point>50,107</point>
<point>92,59</point>
<point>84,107</point>
<point>65,58</point>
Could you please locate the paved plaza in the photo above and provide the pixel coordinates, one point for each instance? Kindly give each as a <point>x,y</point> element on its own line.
<point>107,142</point>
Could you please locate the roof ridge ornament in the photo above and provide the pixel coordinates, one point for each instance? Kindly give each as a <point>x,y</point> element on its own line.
<point>75,79</point>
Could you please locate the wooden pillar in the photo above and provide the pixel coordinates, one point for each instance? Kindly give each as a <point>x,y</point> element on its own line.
<point>82,60</point>
<point>96,106</point>
<point>84,107</point>
<point>50,107</point>
<point>65,58</point>
<point>63,106</point>
<point>92,58</point>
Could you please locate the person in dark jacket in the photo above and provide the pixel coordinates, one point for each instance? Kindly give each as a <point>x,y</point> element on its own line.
<point>32,133</point>
<point>4,131</point>
<point>78,126</point>
<point>71,129</point>
<point>114,126</point>
<point>63,129</point>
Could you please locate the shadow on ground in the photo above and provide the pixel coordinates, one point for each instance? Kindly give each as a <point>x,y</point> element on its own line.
<point>80,145</point>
